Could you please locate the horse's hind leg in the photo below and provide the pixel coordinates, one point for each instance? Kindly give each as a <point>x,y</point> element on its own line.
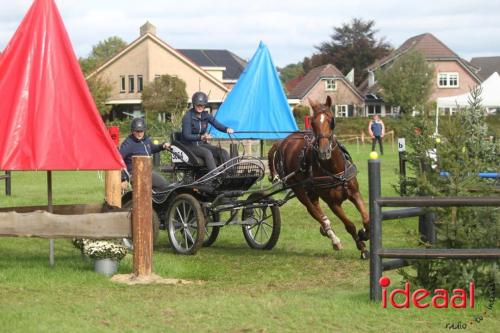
<point>271,156</point>
<point>350,227</point>
<point>314,209</point>
<point>357,200</point>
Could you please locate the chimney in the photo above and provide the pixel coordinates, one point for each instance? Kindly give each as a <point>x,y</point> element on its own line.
<point>147,28</point>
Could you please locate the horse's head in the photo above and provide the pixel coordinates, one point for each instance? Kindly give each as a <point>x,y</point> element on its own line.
<point>323,124</point>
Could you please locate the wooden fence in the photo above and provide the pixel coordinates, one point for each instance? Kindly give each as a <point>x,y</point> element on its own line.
<point>93,221</point>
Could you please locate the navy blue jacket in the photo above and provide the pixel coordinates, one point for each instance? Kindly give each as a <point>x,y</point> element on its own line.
<point>133,147</point>
<point>193,127</point>
<point>376,128</point>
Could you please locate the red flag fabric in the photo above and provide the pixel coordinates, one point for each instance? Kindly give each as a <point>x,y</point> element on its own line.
<point>48,119</point>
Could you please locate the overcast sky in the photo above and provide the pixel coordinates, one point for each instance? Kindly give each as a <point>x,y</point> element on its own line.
<point>290,28</point>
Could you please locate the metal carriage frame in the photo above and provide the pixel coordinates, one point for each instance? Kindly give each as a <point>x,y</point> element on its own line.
<point>193,210</point>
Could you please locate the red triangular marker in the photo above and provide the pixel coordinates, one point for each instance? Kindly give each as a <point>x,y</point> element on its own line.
<point>48,119</point>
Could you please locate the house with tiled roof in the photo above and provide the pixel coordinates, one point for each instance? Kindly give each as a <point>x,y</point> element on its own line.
<point>453,75</point>
<point>223,64</point>
<point>324,81</point>
<point>149,57</point>
<point>486,66</point>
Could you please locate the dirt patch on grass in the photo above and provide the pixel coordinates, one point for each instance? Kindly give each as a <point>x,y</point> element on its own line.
<point>132,279</point>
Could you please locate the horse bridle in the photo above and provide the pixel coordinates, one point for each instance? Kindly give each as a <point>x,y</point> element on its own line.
<point>331,146</point>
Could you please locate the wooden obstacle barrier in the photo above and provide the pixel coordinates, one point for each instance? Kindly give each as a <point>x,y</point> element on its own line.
<point>93,221</point>
<point>426,227</point>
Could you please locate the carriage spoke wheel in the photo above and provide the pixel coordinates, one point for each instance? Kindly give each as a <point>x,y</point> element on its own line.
<point>155,222</point>
<point>265,229</point>
<point>211,233</point>
<point>185,224</point>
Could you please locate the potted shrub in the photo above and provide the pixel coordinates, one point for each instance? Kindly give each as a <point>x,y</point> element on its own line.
<point>106,254</point>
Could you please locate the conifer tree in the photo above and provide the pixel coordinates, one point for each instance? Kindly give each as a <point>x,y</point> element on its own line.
<point>450,168</point>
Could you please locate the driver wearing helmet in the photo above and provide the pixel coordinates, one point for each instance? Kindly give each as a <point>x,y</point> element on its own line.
<point>138,144</point>
<point>194,131</point>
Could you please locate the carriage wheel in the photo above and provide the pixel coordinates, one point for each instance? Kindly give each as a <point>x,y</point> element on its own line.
<point>185,224</point>
<point>211,233</point>
<point>263,234</point>
<point>155,221</point>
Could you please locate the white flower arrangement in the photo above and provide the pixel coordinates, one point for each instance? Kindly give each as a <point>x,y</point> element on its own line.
<point>104,249</point>
<point>78,243</point>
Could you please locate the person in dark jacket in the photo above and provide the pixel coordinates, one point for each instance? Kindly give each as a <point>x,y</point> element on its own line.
<point>194,131</point>
<point>138,144</point>
<point>376,129</point>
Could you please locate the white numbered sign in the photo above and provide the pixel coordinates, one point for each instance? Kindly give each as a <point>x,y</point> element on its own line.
<point>401,144</point>
<point>179,155</point>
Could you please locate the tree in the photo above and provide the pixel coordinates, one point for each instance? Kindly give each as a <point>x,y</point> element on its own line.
<point>352,45</point>
<point>462,151</point>
<point>102,52</point>
<point>407,83</point>
<point>99,88</point>
<point>100,91</point>
<point>166,94</point>
<point>291,71</point>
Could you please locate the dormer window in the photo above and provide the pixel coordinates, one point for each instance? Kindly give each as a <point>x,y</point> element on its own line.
<point>448,80</point>
<point>330,85</point>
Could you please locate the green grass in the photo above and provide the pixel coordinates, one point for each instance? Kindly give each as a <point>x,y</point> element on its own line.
<point>299,286</point>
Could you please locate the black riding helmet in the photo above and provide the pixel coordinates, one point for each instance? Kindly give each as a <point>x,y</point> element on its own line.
<point>138,124</point>
<point>199,98</point>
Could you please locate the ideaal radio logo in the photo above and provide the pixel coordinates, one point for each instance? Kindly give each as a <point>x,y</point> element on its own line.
<point>459,298</point>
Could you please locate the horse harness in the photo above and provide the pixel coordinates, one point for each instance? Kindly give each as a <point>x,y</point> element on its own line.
<point>308,157</point>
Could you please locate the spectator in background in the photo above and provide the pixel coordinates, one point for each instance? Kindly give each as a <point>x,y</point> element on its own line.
<point>376,129</point>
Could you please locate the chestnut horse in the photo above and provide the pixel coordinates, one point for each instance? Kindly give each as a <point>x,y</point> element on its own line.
<point>315,166</point>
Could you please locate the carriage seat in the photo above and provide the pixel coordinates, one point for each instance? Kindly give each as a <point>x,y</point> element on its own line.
<point>193,159</point>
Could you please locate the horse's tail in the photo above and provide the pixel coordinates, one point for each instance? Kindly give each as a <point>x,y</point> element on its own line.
<point>270,160</point>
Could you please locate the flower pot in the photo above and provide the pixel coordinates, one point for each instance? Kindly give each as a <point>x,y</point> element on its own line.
<point>106,267</point>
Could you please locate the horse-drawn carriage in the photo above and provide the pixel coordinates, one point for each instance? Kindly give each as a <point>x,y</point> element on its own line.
<point>194,208</point>
<point>313,164</point>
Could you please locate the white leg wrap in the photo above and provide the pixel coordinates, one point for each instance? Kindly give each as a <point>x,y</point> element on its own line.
<point>335,240</point>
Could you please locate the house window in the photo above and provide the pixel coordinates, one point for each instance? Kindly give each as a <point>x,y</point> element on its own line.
<point>447,111</point>
<point>448,80</point>
<point>140,84</point>
<point>340,110</point>
<point>122,83</point>
<point>131,84</point>
<point>330,84</point>
<point>373,109</point>
<point>392,110</point>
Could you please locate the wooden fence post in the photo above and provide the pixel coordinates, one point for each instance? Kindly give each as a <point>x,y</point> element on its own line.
<point>142,215</point>
<point>8,182</point>
<point>112,187</point>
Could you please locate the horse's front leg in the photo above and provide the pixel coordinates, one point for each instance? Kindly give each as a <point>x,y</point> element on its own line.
<point>314,209</point>
<point>349,226</point>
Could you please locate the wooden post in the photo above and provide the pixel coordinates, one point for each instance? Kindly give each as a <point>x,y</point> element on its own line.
<point>112,188</point>
<point>142,215</point>
<point>8,178</point>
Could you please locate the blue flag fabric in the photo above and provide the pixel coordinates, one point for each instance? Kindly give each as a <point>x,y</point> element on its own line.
<point>257,103</point>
